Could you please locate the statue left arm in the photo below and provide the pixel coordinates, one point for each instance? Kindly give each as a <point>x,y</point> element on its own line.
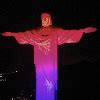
<point>72,36</point>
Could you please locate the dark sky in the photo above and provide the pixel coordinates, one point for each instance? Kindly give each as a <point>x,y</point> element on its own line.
<point>22,15</point>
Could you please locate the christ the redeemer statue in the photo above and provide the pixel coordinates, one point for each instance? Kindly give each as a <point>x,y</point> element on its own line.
<point>45,41</point>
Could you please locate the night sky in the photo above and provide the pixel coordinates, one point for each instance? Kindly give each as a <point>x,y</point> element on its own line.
<point>78,63</point>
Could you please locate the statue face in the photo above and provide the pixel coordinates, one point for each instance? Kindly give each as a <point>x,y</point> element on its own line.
<point>46,20</point>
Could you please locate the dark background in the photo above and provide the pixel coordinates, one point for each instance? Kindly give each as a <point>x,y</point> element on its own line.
<point>78,63</point>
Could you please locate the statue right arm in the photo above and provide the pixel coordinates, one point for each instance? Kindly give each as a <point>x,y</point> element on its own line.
<point>22,37</point>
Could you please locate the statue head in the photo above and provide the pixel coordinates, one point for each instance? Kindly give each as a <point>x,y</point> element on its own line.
<point>46,19</point>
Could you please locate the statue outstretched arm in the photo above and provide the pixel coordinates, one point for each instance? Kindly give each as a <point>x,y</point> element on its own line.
<point>73,36</point>
<point>22,37</point>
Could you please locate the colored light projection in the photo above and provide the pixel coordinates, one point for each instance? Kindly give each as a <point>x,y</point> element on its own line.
<point>45,41</point>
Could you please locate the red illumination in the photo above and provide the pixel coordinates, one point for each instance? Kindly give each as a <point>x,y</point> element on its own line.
<point>45,41</point>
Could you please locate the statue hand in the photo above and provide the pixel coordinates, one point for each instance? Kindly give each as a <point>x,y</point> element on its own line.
<point>90,29</point>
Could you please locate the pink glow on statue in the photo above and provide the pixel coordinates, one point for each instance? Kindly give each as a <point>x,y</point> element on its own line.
<point>46,41</point>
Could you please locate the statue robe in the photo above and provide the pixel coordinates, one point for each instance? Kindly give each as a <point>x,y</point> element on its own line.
<point>46,41</point>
